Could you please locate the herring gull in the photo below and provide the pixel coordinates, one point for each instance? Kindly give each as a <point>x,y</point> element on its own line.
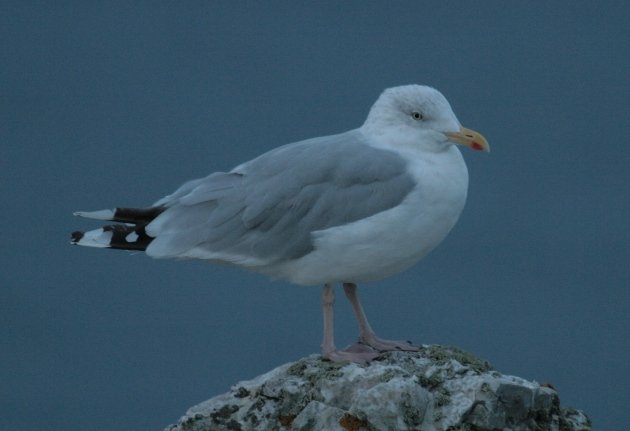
<point>347,208</point>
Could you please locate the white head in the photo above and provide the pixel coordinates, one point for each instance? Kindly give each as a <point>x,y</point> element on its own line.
<point>420,114</point>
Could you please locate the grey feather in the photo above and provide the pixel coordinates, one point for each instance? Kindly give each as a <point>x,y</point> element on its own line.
<point>267,209</point>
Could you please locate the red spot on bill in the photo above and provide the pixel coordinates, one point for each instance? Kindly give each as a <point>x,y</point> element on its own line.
<point>476,146</point>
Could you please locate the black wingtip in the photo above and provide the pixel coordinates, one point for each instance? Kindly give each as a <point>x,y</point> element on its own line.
<point>119,236</point>
<point>137,215</point>
<point>76,236</point>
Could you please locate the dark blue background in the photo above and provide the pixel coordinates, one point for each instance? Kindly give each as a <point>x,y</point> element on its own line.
<point>106,104</point>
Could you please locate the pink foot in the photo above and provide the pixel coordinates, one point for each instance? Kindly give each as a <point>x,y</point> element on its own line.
<point>358,353</point>
<point>367,335</point>
<point>388,345</point>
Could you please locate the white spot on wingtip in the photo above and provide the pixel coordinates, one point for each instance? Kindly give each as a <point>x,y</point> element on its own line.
<point>132,237</point>
<point>96,238</point>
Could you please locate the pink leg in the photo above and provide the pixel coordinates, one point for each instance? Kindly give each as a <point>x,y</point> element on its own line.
<point>366,333</point>
<point>356,353</point>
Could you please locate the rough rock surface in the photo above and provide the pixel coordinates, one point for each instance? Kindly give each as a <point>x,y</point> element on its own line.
<point>438,388</point>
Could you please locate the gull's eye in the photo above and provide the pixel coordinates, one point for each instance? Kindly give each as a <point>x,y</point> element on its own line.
<point>417,115</point>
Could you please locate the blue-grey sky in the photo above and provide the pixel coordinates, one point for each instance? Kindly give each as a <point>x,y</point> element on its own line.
<point>113,103</point>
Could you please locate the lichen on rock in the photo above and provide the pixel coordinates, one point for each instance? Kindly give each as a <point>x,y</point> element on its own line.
<point>436,389</point>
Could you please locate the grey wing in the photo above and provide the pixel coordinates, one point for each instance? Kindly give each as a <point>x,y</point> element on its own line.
<point>267,209</point>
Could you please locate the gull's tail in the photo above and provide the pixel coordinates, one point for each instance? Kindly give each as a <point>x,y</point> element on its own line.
<point>128,236</point>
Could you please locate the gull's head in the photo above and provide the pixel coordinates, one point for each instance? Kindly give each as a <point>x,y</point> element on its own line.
<point>420,115</point>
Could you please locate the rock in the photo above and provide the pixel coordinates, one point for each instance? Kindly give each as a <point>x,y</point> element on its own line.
<point>437,388</point>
